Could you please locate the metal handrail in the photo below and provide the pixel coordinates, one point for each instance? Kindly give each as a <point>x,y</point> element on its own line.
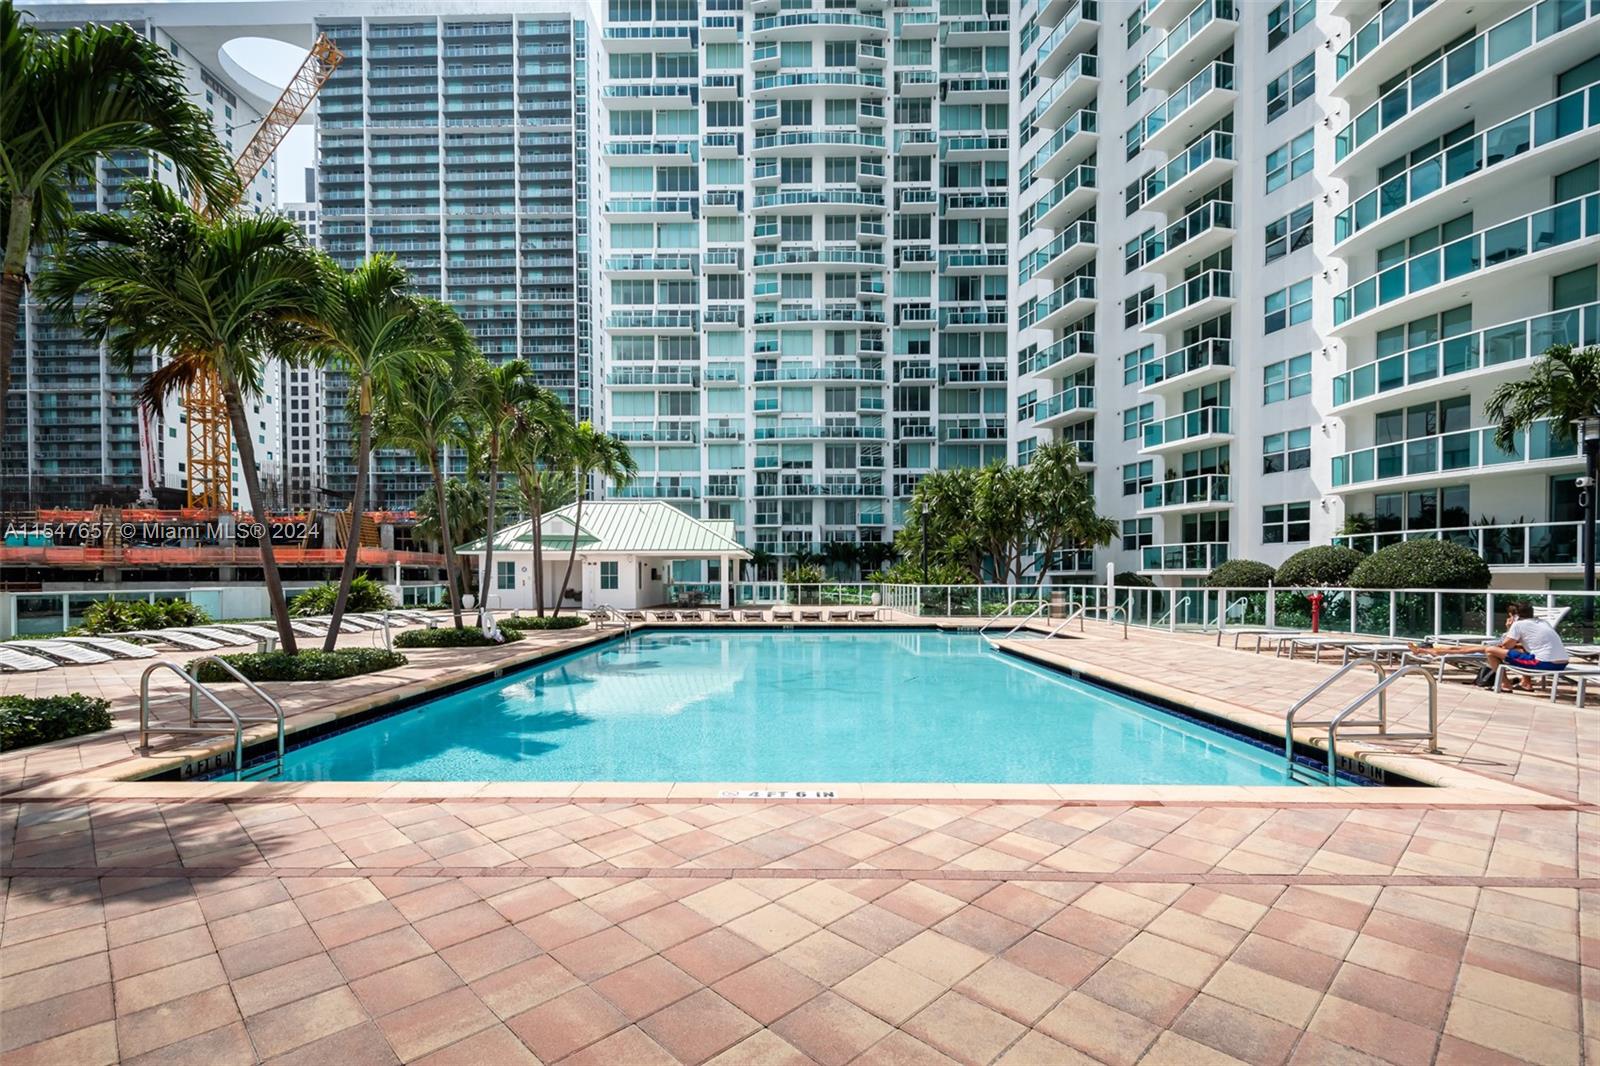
<point>194,686</point>
<point>1431,736</point>
<point>1288,719</point>
<point>229,668</point>
<point>1222,618</point>
<point>1077,612</point>
<point>1169,612</point>
<point>1042,605</point>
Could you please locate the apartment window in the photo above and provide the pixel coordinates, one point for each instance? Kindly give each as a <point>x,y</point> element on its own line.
<point>1286,17</point>
<point>1286,523</point>
<point>1133,306</point>
<point>1286,451</point>
<point>1289,233</point>
<point>1290,161</point>
<point>1133,364</point>
<point>1291,87</point>
<point>1025,450</point>
<point>1137,476</point>
<point>1137,533</point>
<point>1288,307</point>
<point>1135,26</point>
<point>1285,379</point>
<point>505,574</point>
<point>1134,419</point>
<point>608,576</point>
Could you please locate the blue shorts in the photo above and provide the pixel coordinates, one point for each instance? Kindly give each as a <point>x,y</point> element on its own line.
<point>1528,662</point>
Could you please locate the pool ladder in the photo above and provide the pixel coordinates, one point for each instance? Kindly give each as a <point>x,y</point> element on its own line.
<point>231,721</point>
<point>1330,775</point>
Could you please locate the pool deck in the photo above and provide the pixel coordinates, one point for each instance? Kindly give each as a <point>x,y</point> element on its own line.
<point>601,923</point>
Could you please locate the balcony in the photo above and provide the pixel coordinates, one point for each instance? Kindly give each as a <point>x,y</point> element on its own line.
<point>657,432</point>
<point>1065,561</point>
<point>1198,492</point>
<point>1556,28</point>
<point>1068,303</point>
<point>1523,546</point>
<point>1561,236</point>
<point>1427,370</point>
<point>1193,107</point>
<point>1192,429</point>
<point>1189,302</point>
<point>1064,408</point>
<point>1072,195</point>
<point>803,489</point>
<point>1075,86</point>
<point>653,320</point>
<point>808,22</point>
<point>653,376</point>
<point>659,489</point>
<point>1073,140</point>
<point>1447,456</point>
<point>826,372</point>
<point>973,146</point>
<point>825,139</point>
<point>982,261</point>
<point>1077,28</point>
<point>1206,229</point>
<point>971,430</point>
<point>664,208</point>
<point>972,204</point>
<point>961,316</point>
<point>668,265</point>
<point>808,81</point>
<point>819,198</point>
<point>1069,250</point>
<point>1203,32</point>
<point>1397,20</point>
<point>1182,558</point>
<point>969,31</point>
<point>796,255</point>
<point>1071,353</point>
<point>1201,166</point>
<point>1553,130</point>
<point>1198,364</point>
<point>991,374</point>
<point>811,431</point>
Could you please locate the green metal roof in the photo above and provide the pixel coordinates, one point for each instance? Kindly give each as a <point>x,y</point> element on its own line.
<point>628,527</point>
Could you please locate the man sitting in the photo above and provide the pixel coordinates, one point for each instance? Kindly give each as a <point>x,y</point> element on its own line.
<point>1530,644</point>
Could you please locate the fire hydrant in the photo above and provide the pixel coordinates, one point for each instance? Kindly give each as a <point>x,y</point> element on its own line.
<point>1316,611</point>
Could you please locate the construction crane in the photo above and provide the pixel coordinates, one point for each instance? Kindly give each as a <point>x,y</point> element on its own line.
<point>210,438</point>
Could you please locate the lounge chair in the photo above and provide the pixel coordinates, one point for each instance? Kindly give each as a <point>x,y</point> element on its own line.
<point>839,616</point>
<point>635,616</point>
<point>722,616</point>
<point>868,615</point>
<point>23,662</point>
<point>1472,661</point>
<point>221,635</point>
<point>665,616</point>
<point>1382,651</point>
<point>782,614</point>
<point>810,616</point>
<point>122,649</point>
<point>1260,633</point>
<point>307,628</point>
<point>61,651</point>
<point>1579,674</point>
<point>251,630</point>
<point>752,616</point>
<point>178,638</point>
<point>1317,642</point>
<point>691,616</point>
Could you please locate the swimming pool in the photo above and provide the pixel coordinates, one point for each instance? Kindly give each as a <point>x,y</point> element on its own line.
<point>797,707</point>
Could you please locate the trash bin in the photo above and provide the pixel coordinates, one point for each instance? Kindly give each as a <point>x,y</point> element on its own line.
<point>1058,603</point>
<point>266,644</point>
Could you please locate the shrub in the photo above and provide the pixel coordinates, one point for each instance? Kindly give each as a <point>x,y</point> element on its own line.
<point>119,616</point>
<point>1132,579</point>
<point>365,595</point>
<point>909,572</point>
<point>29,720</point>
<point>452,638</point>
<point>1325,565</point>
<point>304,666</point>
<point>804,574</point>
<point>520,622</point>
<point>1240,574</point>
<point>1422,564</point>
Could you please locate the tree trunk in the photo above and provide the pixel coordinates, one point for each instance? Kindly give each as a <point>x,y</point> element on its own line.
<point>13,279</point>
<point>436,464</point>
<point>358,501</point>
<point>245,442</point>
<point>536,503</point>
<point>486,578</point>
<point>572,556</point>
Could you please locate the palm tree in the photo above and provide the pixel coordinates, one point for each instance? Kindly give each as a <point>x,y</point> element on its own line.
<point>1563,386</point>
<point>540,430</point>
<point>370,326</point>
<point>67,99</point>
<point>591,452</point>
<point>222,296</point>
<point>500,395</point>
<point>420,409</point>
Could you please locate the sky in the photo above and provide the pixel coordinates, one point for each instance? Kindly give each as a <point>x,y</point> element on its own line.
<point>276,62</point>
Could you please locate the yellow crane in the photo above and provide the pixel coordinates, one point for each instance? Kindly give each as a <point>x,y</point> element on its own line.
<point>210,438</point>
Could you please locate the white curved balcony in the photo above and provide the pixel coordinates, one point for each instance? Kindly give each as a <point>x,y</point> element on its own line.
<point>1073,352</point>
<point>1446,457</point>
<point>1192,300</point>
<point>1185,495</point>
<point>1203,32</point>
<point>1191,429</point>
<point>1071,405</point>
<point>1189,367</point>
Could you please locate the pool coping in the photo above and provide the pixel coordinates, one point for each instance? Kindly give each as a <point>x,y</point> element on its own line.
<point>130,779</point>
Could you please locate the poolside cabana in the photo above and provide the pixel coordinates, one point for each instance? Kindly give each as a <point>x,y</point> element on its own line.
<point>626,549</point>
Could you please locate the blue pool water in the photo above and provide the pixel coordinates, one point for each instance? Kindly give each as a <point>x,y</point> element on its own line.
<point>788,707</point>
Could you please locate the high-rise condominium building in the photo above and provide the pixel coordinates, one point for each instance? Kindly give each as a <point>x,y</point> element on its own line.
<point>73,432</point>
<point>1272,258</point>
<point>456,137</point>
<point>806,279</point>
<point>303,411</point>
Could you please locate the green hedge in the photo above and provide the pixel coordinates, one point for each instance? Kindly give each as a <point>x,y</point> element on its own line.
<point>1240,574</point>
<point>451,638</point>
<point>365,595</point>
<point>119,616</point>
<point>303,666</point>
<point>1324,565</point>
<point>29,720</point>
<point>522,622</point>
<point>1422,564</point>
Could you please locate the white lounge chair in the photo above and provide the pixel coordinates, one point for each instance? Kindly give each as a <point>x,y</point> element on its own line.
<point>782,614</point>
<point>220,635</point>
<point>21,661</point>
<point>122,649</point>
<point>62,651</point>
<point>1580,674</point>
<point>868,615</point>
<point>178,638</point>
<point>722,616</point>
<point>1317,642</point>
<point>752,616</point>
<point>256,631</point>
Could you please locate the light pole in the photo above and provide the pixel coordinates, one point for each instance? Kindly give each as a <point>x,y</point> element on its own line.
<point>924,539</point>
<point>1589,439</point>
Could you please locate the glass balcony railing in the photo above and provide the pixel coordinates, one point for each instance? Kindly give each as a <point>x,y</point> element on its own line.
<point>1187,293</point>
<point>826,372</point>
<point>1496,45</point>
<point>1218,75</point>
<point>1073,344</point>
<point>1525,544</point>
<point>1566,223</point>
<point>861,79</point>
<point>819,18</point>
<point>1375,31</point>
<point>1509,342</point>
<point>1184,491</point>
<point>815,432</point>
<point>1211,352</point>
<point>1181,34</point>
<point>1212,214</point>
<point>1562,117</point>
<point>1462,451</point>
<point>1199,423</point>
<point>1081,176</point>
<point>1081,287</point>
<point>1078,398</point>
<point>1080,232</point>
<point>1214,145</point>
<point>1205,556</point>
<point>1083,120</point>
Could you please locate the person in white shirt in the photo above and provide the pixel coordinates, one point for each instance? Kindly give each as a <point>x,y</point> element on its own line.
<point>1530,643</point>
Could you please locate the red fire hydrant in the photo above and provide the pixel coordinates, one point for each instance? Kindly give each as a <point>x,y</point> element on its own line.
<point>1316,611</point>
